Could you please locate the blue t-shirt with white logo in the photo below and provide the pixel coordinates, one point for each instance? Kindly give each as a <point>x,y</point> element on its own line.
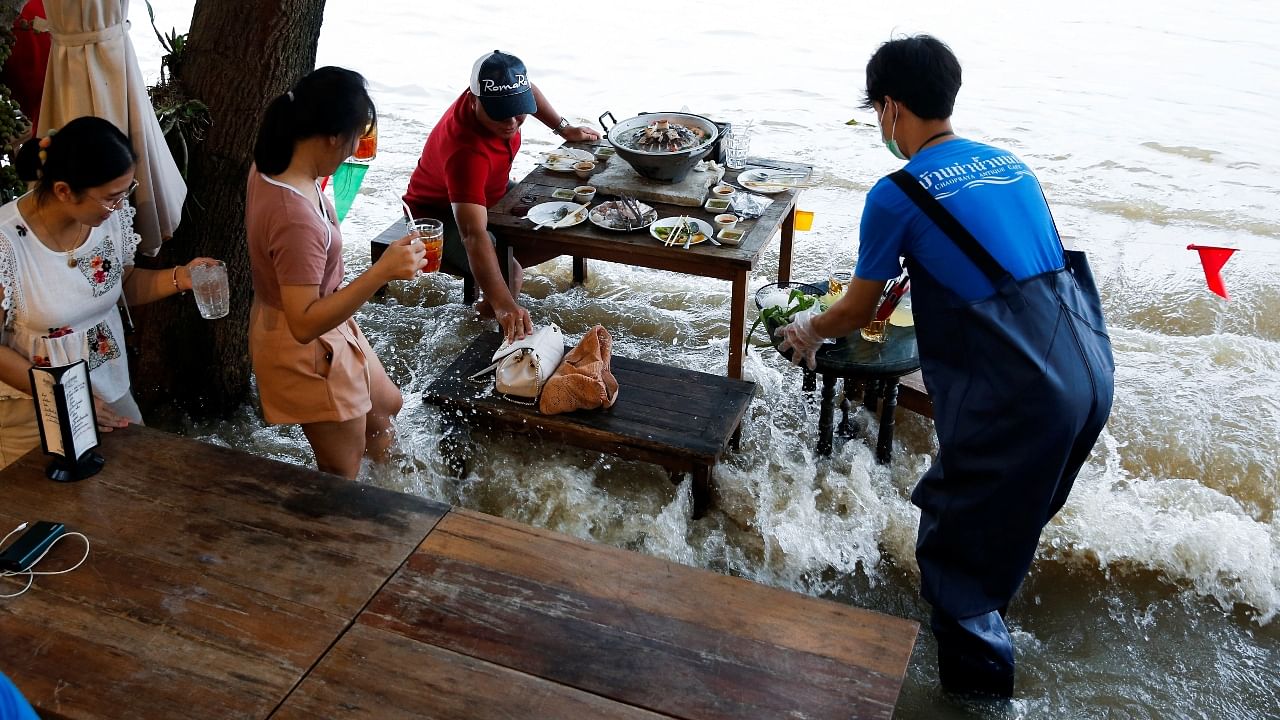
<point>993,195</point>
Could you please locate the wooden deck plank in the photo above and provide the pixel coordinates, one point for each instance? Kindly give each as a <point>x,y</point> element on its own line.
<point>639,630</point>
<point>126,637</point>
<point>374,674</point>
<point>215,581</point>
<point>281,529</point>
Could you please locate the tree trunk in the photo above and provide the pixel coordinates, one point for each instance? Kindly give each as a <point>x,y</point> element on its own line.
<point>239,56</point>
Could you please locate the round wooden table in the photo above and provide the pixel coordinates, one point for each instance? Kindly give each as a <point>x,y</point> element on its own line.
<point>874,366</point>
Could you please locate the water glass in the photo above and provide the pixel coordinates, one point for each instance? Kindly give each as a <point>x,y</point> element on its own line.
<point>431,232</point>
<point>738,148</point>
<point>213,294</point>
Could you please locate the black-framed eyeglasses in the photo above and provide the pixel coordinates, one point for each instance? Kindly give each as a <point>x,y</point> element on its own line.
<point>119,202</point>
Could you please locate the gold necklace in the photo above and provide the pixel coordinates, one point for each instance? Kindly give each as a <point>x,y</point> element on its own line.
<point>81,236</point>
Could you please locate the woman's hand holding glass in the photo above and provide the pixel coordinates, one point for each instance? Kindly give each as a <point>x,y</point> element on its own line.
<point>403,259</point>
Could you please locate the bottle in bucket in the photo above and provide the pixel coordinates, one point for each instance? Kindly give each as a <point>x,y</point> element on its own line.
<point>431,232</point>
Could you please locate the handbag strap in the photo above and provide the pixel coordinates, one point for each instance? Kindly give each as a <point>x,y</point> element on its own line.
<point>949,225</point>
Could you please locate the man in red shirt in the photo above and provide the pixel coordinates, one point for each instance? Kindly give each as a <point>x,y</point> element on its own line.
<point>465,169</point>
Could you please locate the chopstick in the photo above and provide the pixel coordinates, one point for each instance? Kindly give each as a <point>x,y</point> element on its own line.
<point>758,184</point>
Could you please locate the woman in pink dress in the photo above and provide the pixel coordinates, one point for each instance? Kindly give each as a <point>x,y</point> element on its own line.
<point>313,364</point>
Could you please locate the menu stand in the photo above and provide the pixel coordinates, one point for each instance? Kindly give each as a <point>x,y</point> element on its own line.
<point>67,420</point>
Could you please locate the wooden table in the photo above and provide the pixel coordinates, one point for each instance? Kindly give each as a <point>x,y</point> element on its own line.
<point>639,248</point>
<point>223,585</point>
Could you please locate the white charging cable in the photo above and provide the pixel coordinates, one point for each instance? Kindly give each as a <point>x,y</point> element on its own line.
<point>31,574</point>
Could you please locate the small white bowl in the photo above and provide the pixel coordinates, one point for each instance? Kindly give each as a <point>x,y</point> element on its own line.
<point>583,193</point>
<point>716,205</point>
<point>584,169</point>
<point>730,236</point>
<point>722,191</point>
<point>725,221</point>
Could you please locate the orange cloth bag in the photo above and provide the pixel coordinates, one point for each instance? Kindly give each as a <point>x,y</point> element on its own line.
<point>583,381</point>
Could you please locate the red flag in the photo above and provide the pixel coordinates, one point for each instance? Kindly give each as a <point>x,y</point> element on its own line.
<point>1212,259</point>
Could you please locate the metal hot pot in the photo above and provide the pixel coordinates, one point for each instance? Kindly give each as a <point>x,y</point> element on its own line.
<point>661,146</point>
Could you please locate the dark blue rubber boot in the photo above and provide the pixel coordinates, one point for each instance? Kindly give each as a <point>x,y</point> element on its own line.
<point>975,655</point>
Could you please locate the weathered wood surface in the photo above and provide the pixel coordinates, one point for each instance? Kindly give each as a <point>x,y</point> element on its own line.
<point>913,395</point>
<point>672,416</point>
<point>633,629</point>
<point>215,580</point>
<point>374,674</point>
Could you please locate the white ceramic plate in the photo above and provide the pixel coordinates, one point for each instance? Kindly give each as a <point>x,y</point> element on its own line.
<point>546,213</point>
<point>661,230</point>
<point>563,159</point>
<point>609,215</point>
<point>757,175</point>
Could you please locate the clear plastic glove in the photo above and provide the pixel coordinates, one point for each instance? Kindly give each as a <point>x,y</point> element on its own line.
<point>800,338</point>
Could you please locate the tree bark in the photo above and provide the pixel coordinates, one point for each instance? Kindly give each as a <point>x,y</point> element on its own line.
<point>239,56</point>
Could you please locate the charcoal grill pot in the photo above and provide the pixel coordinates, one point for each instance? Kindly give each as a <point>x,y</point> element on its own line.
<point>662,166</point>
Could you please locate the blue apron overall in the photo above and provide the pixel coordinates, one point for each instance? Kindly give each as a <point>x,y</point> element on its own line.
<point>1021,384</point>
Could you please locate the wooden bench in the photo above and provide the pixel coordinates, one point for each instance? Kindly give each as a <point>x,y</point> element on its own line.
<point>913,395</point>
<point>680,419</point>
<point>394,232</point>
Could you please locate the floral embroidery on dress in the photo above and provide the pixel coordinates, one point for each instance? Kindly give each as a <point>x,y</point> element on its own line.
<point>63,331</point>
<point>98,268</point>
<point>22,230</point>
<point>102,345</point>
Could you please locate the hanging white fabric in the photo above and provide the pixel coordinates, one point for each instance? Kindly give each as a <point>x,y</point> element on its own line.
<point>93,70</point>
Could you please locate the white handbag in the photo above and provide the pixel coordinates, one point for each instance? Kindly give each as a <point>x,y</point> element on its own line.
<point>521,368</point>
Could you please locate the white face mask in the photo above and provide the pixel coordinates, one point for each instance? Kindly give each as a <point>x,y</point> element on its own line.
<point>892,142</point>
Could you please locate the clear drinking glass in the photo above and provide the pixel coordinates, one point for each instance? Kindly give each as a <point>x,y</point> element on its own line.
<point>213,294</point>
<point>738,148</point>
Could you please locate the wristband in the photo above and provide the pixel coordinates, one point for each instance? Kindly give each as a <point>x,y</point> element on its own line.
<point>559,129</point>
<point>176,288</point>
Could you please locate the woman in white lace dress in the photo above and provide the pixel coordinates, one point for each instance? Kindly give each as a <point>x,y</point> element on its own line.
<point>66,258</point>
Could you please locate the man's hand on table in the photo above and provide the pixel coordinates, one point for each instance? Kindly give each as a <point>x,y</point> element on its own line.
<point>579,133</point>
<point>514,321</point>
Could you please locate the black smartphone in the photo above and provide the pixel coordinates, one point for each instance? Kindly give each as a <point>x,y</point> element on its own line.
<point>30,545</point>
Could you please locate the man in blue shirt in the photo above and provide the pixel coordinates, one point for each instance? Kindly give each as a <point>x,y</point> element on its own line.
<point>12,705</point>
<point>1013,349</point>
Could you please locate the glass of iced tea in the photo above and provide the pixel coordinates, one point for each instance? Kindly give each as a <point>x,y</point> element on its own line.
<point>367,145</point>
<point>431,232</point>
<point>837,281</point>
<point>874,332</point>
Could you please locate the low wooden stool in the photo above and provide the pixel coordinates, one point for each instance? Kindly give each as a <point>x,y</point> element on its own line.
<point>680,419</point>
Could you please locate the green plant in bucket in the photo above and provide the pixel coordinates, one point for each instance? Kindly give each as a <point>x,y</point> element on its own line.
<point>781,313</point>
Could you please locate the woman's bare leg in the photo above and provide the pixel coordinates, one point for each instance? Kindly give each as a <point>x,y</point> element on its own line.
<point>379,433</point>
<point>338,445</point>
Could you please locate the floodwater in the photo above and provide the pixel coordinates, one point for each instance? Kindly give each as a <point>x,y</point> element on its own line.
<point>1156,589</point>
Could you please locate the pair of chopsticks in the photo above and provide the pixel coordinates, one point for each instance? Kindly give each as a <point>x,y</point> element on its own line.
<point>675,232</point>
